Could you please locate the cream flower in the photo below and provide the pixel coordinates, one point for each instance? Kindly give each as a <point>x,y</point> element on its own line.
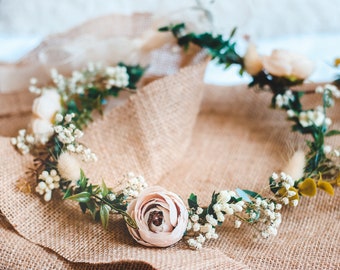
<point>42,129</point>
<point>252,60</point>
<point>161,217</point>
<point>282,63</point>
<point>46,106</point>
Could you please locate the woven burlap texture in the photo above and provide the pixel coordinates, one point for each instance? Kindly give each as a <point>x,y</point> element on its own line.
<point>235,141</point>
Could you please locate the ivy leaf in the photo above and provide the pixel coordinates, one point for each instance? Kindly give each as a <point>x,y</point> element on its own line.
<point>164,29</point>
<point>67,194</point>
<point>192,201</point>
<point>92,207</point>
<point>81,197</point>
<point>272,184</point>
<point>104,215</point>
<point>104,189</point>
<point>82,180</point>
<point>83,207</point>
<point>332,133</point>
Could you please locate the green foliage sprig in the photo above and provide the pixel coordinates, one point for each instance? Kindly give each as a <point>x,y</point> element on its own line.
<point>224,50</point>
<point>80,95</point>
<point>249,206</point>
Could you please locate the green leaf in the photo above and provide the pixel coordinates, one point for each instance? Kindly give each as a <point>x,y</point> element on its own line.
<point>104,215</point>
<point>68,193</point>
<point>233,32</point>
<point>104,189</point>
<point>164,29</point>
<point>252,193</point>
<point>192,201</point>
<point>243,195</point>
<point>92,207</point>
<point>332,133</point>
<point>83,207</point>
<point>82,180</point>
<point>135,74</point>
<point>272,184</point>
<point>80,197</point>
<point>129,220</point>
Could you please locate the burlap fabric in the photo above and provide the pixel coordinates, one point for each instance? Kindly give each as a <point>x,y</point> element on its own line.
<point>187,137</point>
<point>235,141</point>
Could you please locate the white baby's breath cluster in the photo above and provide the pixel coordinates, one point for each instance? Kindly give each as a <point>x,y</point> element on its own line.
<point>48,182</point>
<point>94,75</point>
<point>317,117</point>
<point>116,77</point>
<point>134,185</point>
<point>266,213</point>
<point>263,213</point>
<point>201,229</point>
<point>331,92</point>
<point>202,226</point>
<point>23,142</point>
<point>330,151</point>
<point>314,117</point>
<point>68,134</point>
<point>286,181</point>
<point>33,87</point>
<point>284,99</point>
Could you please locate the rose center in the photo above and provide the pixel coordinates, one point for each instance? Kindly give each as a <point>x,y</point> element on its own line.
<point>156,218</point>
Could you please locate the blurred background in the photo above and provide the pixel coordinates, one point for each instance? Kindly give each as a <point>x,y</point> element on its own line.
<point>258,18</point>
<point>311,27</point>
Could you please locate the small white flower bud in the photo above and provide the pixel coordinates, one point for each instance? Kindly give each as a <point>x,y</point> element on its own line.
<point>194,218</point>
<point>237,224</point>
<point>220,216</point>
<point>49,180</point>
<point>59,118</point>
<point>295,202</point>
<point>196,227</point>
<point>48,195</point>
<point>275,176</point>
<point>42,185</point>
<point>199,210</point>
<point>111,196</point>
<point>278,206</point>
<point>285,200</point>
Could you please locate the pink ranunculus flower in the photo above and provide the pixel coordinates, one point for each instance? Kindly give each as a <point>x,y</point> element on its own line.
<point>47,105</point>
<point>282,63</point>
<point>160,215</point>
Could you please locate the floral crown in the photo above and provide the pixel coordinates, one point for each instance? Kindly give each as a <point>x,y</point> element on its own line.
<point>155,216</point>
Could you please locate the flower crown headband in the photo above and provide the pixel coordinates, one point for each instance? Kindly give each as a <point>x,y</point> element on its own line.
<point>155,216</point>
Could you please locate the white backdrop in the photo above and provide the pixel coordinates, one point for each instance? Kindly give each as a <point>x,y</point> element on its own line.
<point>311,27</point>
<point>259,18</point>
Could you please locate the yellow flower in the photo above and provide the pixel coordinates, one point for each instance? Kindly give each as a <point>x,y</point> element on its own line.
<point>337,180</point>
<point>326,186</point>
<point>307,187</point>
<point>337,62</point>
